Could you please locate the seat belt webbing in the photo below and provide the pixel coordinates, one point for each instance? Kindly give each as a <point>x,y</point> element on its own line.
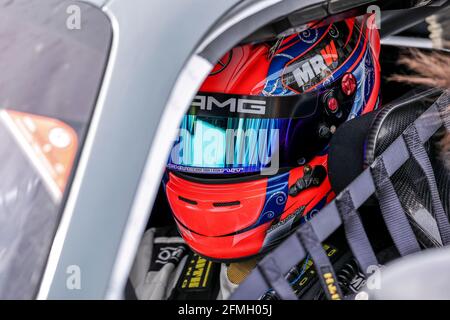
<point>322,264</point>
<point>272,275</point>
<point>355,233</point>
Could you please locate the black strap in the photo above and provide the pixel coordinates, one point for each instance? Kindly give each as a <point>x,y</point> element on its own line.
<point>273,276</point>
<point>355,233</point>
<point>393,214</point>
<point>322,264</point>
<point>419,154</point>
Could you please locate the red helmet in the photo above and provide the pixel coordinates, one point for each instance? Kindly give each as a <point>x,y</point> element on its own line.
<point>250,162</point>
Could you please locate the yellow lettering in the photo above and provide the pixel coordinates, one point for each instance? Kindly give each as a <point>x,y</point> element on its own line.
<point>303,281</point>
<point>332,289</point>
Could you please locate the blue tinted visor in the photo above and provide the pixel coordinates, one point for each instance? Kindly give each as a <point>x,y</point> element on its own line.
<point>231,134</point>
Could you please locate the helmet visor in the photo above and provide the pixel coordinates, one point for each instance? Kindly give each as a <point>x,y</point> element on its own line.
<point>234,134</point>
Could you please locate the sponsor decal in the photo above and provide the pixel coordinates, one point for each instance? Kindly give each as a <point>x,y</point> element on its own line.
<point>289,218</point>
<point>331,284</point>
<point>308,70</point>
<point>329,53</point>
<point>232,105</point>
<point>317,66</point>
<point>199,280</point>
<point>165,253</point>
<point>196,273</point>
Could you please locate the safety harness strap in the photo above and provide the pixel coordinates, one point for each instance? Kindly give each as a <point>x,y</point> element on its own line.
<point>322,264</point>
<point>393,214</point>
<point>271,272</point>
<point>355,233</point>
<point>419,154</point>
<point>282,259</point>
